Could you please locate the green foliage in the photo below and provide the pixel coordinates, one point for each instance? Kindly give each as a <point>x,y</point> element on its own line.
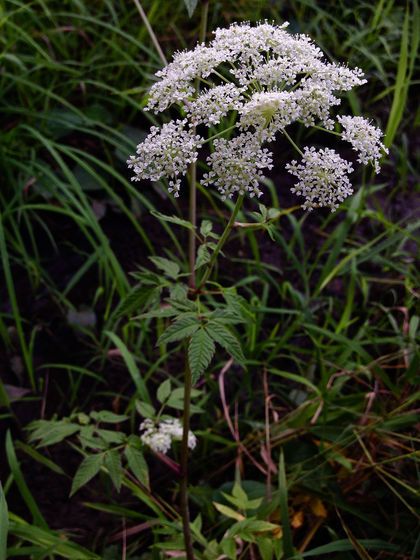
<point>201,350</point>
<point>224,337</point>
<point>88,468</point>
<point>4,525</point>
<point>137,464</point>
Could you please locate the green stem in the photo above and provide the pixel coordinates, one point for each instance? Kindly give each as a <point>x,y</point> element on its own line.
<point>222,240</point>
<point>219,134</point>
<point>185,513</point>
<point>293,143</point>
<point>192,244</point>
<point>324,129</point>
<point>192,216</point>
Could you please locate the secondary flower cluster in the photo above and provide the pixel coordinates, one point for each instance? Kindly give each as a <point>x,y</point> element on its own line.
<point>159,436</point>
<point>257,80</point>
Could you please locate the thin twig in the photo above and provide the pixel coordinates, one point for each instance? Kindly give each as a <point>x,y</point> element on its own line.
<point>151,32</point>
<point>228,419</point>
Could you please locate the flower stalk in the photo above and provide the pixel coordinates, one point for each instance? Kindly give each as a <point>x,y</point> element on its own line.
<point>192,248</point>
<point>222,240</point>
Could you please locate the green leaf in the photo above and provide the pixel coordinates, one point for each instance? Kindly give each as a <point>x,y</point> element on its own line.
<point>162,312</point>
<point>240,495</point>
<point>226,339</point>
<point>164,390</point>
<point>229,548</point>
<point>137,464</point>
<point>203,256</point>
<point>179,292</point>
<point>50,432</point>
<point>227,317</point>
<point>176,399</point>
<point>110,436</point>
<point>112,462</point>
<point>238,305</point>
<point>145,409</point>
<point>88,468</point>
<point>200,352</point>
<point>170,268</point>
<point>90,440</point>
<point>265,548</point>
<point>263,215</point>
<point>182,328</point>
<point>191,6</point>
<point>4,525</point>
<point>206,228</point>
<point>108,417</point>
<point>172,220</point>
<point>136,300</point>
<point>228,512</point>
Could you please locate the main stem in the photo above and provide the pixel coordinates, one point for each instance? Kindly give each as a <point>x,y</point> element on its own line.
<point>192,214</point>
<point>192,245</point>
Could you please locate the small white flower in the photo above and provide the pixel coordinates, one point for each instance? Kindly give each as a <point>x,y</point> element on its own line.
<point>159,437</point>
<point>315,101</point>
<point>176,83</point>
<point>212,105</point>
<point>365,139</point>
<point>173,427</point>
<point>166,152</point>
<point>322,178</point>
<point>269,112</point>
<point>236,165</point>
<point>338,77</point>
<point>157,440</point>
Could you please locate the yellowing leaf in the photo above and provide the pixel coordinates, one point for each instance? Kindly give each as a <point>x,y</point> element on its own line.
<point>277,532</point>
<point>297,520</point>
<point>229,512</point>
<point>317,507</point>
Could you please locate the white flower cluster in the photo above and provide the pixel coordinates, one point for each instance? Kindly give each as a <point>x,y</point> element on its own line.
<point>214,104</point>
<point>365,139</point>
<point>322,178</point>
<point>269,112</point>
<point>166,152</point>
<point>236,165</point>
<point>159,436</point>
<point>262,78</point>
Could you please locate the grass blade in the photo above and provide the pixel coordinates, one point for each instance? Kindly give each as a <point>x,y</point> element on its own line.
<point>284,511</point>
<point>21,484</point>
<point>4,525</point>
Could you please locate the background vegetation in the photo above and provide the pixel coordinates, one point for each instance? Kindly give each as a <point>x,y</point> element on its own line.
<point>328,405</point>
